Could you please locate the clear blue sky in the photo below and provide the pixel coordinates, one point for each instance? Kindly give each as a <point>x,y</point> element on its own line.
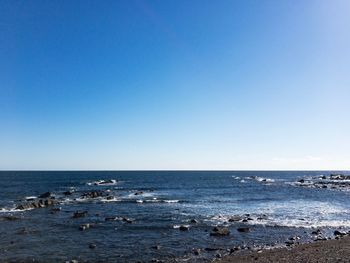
<point>175,84</point>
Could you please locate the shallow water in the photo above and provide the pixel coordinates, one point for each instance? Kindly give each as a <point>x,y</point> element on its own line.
<point>169,199</point>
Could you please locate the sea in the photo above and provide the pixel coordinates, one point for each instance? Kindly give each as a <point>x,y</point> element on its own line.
<point>164,216</point>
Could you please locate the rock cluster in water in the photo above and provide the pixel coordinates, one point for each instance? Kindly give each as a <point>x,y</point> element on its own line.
<point>332,181</point>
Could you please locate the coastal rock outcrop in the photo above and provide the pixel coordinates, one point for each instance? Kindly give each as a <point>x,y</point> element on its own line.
<point>36,204</point>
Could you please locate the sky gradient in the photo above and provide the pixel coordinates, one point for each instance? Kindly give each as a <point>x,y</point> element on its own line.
<point>140,84</point>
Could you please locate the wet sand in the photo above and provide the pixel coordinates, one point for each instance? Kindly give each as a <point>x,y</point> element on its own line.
<point>320,251</point>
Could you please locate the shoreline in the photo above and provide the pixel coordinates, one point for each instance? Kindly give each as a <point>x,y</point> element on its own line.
<point>334,250</point>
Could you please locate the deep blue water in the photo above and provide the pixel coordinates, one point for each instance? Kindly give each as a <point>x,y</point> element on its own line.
<point>169,199</point>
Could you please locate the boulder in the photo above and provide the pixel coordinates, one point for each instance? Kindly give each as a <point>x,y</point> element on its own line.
<point>194,221</point>
<point>220,231</point>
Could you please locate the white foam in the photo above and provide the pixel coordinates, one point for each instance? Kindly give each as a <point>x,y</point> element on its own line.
<point>13,210</point>
<point>171,201</point>
<point>103,182</point>
<point>30,197</point>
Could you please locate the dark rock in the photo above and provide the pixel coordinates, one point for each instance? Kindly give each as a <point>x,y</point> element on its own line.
<point>194,221</point>
<point>79,214</point>
<point>9,218</point>
<point>338,233</point>
<point>289,243</point>
<point>45,195</point>
<point>92,194</point>
<point>68,193</point>
<point>262,217</point>
<point>84,226</point>
<point>184,228</point>
<point>235,219</point>
<point>138,193</point>
<point>55,210</point>
<point>317,232</point>
<point>220,231</point>
<point>234,249</point>
<point>301,181</point>
<point>92,246</point>
<point>109,197</point>
<point>127,220</point>
<point>24,207</point>
<point>48,202</point>
<point>157,247</point>
<point>218,255</point>
<point>196,251</point>
<point>243,229</point>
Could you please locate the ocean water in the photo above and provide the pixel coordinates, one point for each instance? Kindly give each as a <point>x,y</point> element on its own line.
<point>165,200</point>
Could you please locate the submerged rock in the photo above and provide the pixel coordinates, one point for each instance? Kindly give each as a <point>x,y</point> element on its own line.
<point>157,247</point>
<point>220,231</point>
<point>84,226</point>
<point>196,251</point>
<point>235,219</point>
<point>184,228</point>
<point>9,218</point>
<point>79,214</point>
<point>243,229</point>
<point>127,220</point>
<point>92,194</point>
<point>45,195</point>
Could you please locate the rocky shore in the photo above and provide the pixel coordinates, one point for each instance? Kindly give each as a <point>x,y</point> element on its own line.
<point>336,250</point>
<point>95,210</point>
